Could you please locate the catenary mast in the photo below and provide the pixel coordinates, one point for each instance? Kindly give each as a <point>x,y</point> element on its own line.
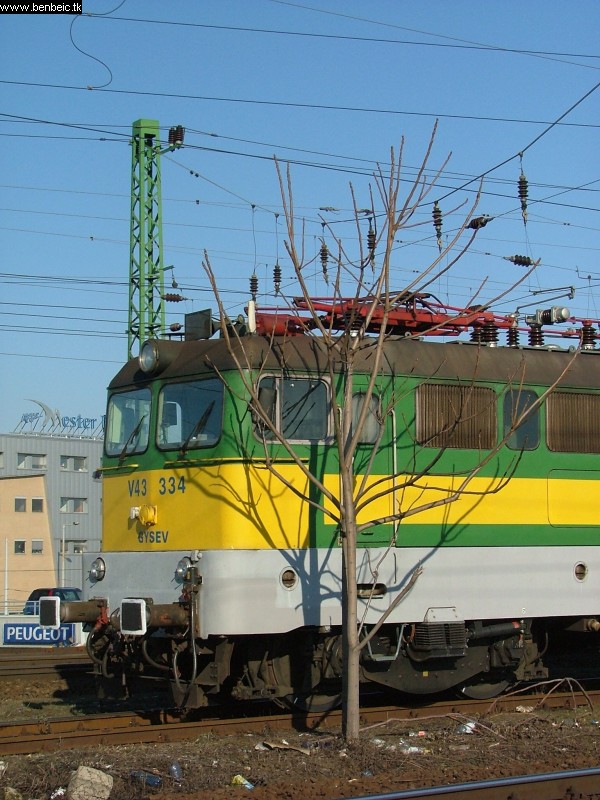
<point>146,267</point>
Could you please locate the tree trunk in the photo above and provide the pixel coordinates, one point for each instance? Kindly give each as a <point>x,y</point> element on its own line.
<point>350,645</point>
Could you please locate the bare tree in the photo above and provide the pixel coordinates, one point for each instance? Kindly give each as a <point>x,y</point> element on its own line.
<point>354,330</point>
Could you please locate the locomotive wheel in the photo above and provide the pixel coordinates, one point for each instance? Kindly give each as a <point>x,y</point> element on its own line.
<point>483,688</point>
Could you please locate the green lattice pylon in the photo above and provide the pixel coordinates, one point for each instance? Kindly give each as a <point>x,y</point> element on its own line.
<point>146,272</point>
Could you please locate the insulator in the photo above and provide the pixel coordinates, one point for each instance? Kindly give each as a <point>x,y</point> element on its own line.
<point>536,335</point>
<point>523,194</point>
<point>588,335</point>
<point>277,277</point>
<point>253,285</point>
<point>490,333</point>
<point>479,222</point>
<point>176,134</point>
<point>324,253</point>
<point>512,336</point>
<point>353,321</point>
<point>477,333</point>
<point>437,224</point>
<point>371,242</point>
<point>172,297</point>
<point>520,261</point>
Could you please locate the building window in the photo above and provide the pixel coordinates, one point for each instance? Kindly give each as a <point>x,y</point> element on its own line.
<point>73,505</point>
<point>20,504</point>
<point>73,463</point>
<point>37,504</point>
<point>456,416</point>
<point>37,547</point>
<point>19,547</point>
<point>31,461</point>
<point>1,460</point>
<point>79,548</point>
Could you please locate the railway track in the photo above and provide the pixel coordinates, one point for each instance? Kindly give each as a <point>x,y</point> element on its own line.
<point>21,662</point>
<point>569,785</point>
<point>162,726</point>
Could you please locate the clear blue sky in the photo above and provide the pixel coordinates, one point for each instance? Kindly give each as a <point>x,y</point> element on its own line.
<point>312,82</point>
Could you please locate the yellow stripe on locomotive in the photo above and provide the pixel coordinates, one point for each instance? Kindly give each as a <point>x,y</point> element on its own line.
<point>243,506</point>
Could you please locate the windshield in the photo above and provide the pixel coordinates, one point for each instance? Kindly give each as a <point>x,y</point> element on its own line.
<point>127,422</point>
<point>190,415</point>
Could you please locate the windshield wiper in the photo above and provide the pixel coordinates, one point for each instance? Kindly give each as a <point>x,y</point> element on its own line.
<point>135,432</point>
<point>197,429</point>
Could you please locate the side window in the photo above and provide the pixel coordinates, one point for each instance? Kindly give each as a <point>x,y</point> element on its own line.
<point>526,435</point>
<point>372,425</point>
<point>462,416</point>
<point>299,408</point>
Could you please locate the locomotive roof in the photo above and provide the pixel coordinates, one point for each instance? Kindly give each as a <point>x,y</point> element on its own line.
<point>402,356</point>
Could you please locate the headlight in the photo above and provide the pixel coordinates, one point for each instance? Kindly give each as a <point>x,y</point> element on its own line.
<point>97,570</point>
<point>148,357</point>
<point>156,355</point>
<point>182,568</point>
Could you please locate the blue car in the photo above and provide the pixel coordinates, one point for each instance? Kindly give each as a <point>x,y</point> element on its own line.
<point>68,593</point>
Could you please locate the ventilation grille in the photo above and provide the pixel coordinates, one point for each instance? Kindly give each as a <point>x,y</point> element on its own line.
<point>573,422</point>
<point>439,639</point>
<point>456,416</point>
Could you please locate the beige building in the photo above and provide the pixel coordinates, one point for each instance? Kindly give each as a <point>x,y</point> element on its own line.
<point>27,558</point>
<point>50,511</point>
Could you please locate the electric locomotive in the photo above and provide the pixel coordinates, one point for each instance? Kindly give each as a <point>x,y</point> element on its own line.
<point>218,573</point>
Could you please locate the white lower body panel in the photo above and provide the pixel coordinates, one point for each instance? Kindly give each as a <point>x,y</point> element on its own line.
<point>242,591</point>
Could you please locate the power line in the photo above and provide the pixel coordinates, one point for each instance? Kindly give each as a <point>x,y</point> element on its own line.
<point>19,118</point>
<point>346,37</point>
<point>285,104</point>
<point>62,358</point>
<point>527,147</point>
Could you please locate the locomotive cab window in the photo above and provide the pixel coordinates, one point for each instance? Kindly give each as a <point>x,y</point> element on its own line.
<point>524,435</point>
<point>127,422</point>
<point>190,415</point>
<point>298,408</point>
<point>456,416</point>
